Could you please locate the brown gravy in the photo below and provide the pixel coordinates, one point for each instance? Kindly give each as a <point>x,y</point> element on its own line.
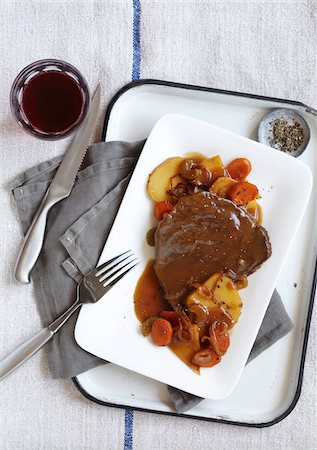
<point>149,301</point>
<point>148,295</point>
<point>203,235</point>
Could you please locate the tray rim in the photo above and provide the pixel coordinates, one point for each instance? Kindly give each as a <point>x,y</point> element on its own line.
<point>297,394</point>
<point>152,81</point>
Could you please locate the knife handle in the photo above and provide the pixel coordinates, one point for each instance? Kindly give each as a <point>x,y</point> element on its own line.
<point>33,240</point>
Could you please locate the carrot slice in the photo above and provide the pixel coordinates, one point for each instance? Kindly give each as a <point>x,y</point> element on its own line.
<point>243,192</point>
<point>239,169</point>
<point>161,208</point>
<point>161,332</point>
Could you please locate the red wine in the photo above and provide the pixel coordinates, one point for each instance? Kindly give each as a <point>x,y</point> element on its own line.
<point>52,101</point>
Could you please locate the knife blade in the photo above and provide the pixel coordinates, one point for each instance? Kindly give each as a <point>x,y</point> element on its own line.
<point>60,188</point>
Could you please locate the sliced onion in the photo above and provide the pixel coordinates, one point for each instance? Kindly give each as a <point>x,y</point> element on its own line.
<point>201,314</point>
<point>206,339</point>
<point>205,358</point>
<point>188,169</point>
<point>184,334</point>
<point>214,340</point>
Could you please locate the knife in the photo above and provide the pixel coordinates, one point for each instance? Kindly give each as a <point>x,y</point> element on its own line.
<point>59,188</point>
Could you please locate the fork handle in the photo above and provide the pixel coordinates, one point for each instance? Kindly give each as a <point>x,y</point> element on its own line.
<point>35,343</point>
<point>24,352</point>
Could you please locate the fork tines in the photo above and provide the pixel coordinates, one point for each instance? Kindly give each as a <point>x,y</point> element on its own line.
<point>114,269</point>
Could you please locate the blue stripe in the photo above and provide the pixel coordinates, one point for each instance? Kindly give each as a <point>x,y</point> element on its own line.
<point>128,429</point>
<point>136,63</point>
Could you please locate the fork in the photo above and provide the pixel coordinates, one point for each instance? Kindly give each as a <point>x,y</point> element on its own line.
<point>90,289</point>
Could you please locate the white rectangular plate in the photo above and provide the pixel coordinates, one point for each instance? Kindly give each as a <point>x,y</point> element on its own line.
<point>110,328</point>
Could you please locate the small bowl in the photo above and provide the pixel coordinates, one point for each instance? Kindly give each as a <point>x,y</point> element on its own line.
<point>265,130</point>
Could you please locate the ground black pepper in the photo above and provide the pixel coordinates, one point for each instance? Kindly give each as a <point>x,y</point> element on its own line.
<point>287,137</point>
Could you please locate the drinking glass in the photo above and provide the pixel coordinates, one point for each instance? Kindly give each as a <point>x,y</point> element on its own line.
<point>49,99</point>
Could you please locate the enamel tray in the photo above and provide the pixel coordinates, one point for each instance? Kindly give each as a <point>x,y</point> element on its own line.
<point>270,385</point>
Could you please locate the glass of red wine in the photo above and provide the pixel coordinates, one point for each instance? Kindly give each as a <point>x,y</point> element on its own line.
<point>50,99</point>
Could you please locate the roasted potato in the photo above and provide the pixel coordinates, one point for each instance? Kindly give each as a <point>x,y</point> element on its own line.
<point>227,296</point>
<point>220,293</point>
<point>198,297</point>
<point>222,186</point>
<point>215,166</point>
<point>159,182</point>
<point>254,209</point>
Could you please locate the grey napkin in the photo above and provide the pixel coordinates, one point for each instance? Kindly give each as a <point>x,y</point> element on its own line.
<point>77,229</point>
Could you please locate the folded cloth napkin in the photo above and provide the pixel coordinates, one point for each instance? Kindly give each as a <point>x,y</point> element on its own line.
<point>77,228</point>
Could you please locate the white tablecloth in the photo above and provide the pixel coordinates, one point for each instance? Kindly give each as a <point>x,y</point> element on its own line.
<point>263,47</point>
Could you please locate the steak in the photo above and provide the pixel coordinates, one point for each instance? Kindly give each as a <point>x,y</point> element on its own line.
<point>202,235</point>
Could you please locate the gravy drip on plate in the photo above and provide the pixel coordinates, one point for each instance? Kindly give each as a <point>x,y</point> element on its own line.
<point>148,296</point>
